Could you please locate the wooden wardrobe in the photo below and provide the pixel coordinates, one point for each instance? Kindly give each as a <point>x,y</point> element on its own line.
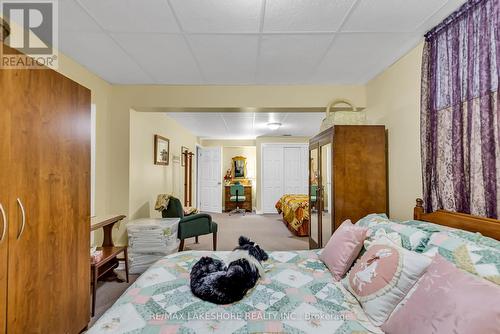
<point>347,177</point>
<point>45,202</point>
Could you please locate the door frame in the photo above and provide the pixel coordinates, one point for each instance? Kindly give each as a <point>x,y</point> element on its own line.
<point>261,165</point>
<point>198,178</point>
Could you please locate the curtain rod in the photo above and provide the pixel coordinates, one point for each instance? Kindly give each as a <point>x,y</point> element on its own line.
<point>464,9</point>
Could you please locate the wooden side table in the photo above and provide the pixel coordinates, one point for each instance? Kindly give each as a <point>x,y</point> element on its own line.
<point>110,260</point>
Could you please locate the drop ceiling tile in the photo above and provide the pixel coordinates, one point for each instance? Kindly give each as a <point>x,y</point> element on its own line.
<point>239,124</point>
<point>226,59</point>
<point>288,59</point>
<point>132,15</point>
<point>264,118</point>
<point>356,58</point>
<point>305,15</point>
<point>165,57</point>
<point>72,17</point>
<point>237,115</point>
<point>439,16</point>
<point>391,15</point>
<point>218,15</point>
<point>101,55</point>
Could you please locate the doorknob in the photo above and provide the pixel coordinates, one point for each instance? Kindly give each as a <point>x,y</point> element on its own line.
<point>4,219</point>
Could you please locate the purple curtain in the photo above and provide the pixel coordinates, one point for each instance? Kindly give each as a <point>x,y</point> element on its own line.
<point>460,112</point>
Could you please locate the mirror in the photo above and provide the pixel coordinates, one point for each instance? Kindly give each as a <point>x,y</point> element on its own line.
<point>313,203</point>
<point>326,186</point>
<point>239,167</point>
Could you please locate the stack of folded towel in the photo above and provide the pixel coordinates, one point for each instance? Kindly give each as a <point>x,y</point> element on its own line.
<point>149,240</point>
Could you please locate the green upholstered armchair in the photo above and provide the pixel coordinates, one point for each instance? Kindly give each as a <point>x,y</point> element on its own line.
<point>190,226</point>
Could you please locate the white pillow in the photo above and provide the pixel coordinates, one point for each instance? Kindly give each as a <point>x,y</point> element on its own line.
<point>383,276</point>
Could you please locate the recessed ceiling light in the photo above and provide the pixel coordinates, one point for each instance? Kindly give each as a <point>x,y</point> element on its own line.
<point>273,126</point>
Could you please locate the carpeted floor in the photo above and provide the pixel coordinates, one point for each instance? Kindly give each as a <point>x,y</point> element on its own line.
<point>267,230</point>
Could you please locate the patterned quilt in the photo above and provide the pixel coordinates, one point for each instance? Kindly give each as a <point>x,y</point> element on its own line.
<point>298,295</point>
<point>295,209</point>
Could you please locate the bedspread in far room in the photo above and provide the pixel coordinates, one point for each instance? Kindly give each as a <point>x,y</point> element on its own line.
<point>297,295</point>
<point>295,210</point>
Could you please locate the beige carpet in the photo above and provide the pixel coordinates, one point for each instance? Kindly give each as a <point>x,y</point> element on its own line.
<point>267,230</point>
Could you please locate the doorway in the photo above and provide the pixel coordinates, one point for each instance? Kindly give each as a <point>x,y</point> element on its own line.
<point>209,179</point>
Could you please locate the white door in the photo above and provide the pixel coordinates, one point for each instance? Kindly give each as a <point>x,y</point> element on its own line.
<point>285,169</point>
<point>295,170</point>
<point>272,176</point>
<point>210,183</point>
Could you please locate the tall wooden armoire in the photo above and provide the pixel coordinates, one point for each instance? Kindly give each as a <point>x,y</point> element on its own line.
<point>45,202</point>
<point>347,177</point>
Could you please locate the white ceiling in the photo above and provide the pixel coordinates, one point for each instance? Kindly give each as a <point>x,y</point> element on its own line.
<point>248,125</point>
<point>244,41</point>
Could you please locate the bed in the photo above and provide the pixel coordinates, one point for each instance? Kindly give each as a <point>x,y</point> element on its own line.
<point>297,295</point>
<point>295,211</point>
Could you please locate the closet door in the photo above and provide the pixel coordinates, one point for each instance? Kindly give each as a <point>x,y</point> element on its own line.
<point>272,176</point>
<point>4,199</point>
<point>49,267</point>
<point>295,170</point>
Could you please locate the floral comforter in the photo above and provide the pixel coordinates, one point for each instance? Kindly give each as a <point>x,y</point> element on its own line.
<point>298,295</point>
<point>295,209</point>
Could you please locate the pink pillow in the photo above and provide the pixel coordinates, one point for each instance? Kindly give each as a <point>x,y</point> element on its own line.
<point>448,300</point>
<point>343,248</point>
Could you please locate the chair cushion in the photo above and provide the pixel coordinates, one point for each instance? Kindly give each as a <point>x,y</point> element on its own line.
<point>240,198</point>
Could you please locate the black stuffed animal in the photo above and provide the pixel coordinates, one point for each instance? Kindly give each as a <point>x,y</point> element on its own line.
<point>213,281</point>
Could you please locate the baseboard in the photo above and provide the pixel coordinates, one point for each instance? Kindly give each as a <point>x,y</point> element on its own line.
<point>259,212</point>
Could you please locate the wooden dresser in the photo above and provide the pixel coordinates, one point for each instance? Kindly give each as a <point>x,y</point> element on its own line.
<point>247,204</point>
<point>347,177</point>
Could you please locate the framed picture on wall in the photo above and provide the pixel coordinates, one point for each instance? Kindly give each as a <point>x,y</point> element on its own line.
<point>183,149</point>
<point>162,150</point>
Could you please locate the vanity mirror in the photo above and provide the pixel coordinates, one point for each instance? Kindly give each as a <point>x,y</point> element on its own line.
<point>239,167</point>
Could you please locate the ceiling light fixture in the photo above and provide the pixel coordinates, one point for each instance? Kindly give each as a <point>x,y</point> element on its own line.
<point>273,126</point>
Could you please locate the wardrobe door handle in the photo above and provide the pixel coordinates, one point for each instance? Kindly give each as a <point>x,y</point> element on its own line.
<point>24,218</point>
<point>4,219</point>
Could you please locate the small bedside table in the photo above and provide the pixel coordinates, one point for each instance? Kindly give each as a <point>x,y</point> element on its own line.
<point>110,252</point>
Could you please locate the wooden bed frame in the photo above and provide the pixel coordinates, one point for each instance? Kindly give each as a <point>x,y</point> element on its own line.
<point>486,226</point>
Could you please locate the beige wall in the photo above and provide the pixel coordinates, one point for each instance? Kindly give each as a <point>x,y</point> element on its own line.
<point>394,100</point>
<point>125,98</point>
<point>146,179</point>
